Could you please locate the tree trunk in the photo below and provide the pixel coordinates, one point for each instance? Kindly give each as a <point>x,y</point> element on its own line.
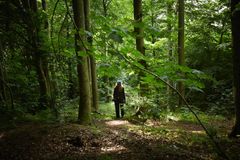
<point>236,63</point>
<point>44,7</point>
<point>153,18</point>
<point>106,80</point>
<point>82,66</point>
<point>181,44</point>
<point>137,6</point>
<point>94,84</point>
<point>39,60</point>
<point>51,90</point>
<point>170,48</point>
<point>88,45</point>
<point>138,30</point>
<point>93,76</point>
<point>2,78</point>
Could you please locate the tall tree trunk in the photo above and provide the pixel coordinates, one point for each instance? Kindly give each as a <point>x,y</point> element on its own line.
<point>2,78</point>
<point>106,80</point>
<point>39,60</point>
<point>236,63</point>
<point>50,81</point>
<point>82,66</point>
<point>93,75</point>
<point>43,86</point>
<point>170,46</point>
<point>138,30</point>
<point>44,7</point>
<point>94,84</point>
<point>137,6</point>
<point>181,45</point>
<point>153,18</point>
<point>3,93</point>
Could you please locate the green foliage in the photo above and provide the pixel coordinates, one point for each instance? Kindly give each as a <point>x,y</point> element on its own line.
<point>196,139</point>
<point>106,111</point>
<point>68,111</point>
<point>115,37</point>
<point>45,116</point>
<point>207,75</point>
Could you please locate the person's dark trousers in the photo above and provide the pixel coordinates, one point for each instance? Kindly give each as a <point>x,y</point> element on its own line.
<point>122,110</point>
<point>117,108</point>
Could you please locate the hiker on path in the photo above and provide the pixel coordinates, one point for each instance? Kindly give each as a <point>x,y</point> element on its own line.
<point>119,99</point>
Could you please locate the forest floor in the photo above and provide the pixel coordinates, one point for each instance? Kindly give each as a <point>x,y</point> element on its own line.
<point>117,139</point>
<point>114,140</point>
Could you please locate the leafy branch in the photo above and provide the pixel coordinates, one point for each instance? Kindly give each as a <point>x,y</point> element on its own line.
<point>221,152</point>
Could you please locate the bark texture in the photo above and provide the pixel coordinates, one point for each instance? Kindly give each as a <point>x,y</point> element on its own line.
<point>92,66</point>
<point>181,59</point>
<point>137,6</point>
<point>235,19</point>
<point>82,66</point>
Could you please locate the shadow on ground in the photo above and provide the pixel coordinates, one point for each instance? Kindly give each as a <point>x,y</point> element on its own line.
<point>105,140</point>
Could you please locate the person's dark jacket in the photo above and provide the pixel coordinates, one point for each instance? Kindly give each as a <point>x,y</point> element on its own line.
<point>119,95</point>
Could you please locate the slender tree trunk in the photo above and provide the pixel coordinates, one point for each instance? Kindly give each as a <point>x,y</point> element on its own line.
<point>43,86</point>
<point>39,60</point>
<point>51,90</point>
<point>170,46</point>
<point>236,63</point>
<point>152,24</point>
<point>181,58</point>
<point>93,75</point>
<point>2,86</point>
<point>106,80</point>
<point>94,84</point>
<point>44,7</point>
<point>2,78</point>
<point>90,79</point>
<point>137,6</point>
<point>82,66</point>
<point>3,93</point>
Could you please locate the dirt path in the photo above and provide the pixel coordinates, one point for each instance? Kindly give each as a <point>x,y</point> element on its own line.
<point>105,140</point>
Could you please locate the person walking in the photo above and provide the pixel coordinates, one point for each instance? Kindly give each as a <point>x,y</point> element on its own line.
<point>119,99</point>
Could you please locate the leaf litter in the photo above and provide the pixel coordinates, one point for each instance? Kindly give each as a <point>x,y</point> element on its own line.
<point>112,140</point>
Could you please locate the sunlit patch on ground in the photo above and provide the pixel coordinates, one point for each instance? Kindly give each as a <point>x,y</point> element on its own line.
<point>113,148</point>
<point>116,122</point>
<point>198,132</point>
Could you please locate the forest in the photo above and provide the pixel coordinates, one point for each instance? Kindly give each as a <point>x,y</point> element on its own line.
<point>120,79</point>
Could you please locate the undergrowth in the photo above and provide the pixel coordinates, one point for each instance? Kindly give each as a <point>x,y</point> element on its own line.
<point>69,113</point>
